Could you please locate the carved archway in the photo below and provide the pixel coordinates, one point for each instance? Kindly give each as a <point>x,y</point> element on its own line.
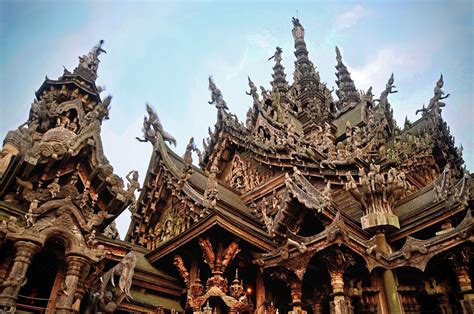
<point>43,278</point>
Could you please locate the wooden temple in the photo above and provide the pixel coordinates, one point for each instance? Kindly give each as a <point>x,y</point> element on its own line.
<point>312,205</point>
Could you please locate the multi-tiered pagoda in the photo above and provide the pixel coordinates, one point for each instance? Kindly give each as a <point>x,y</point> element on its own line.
<point>315,204</point>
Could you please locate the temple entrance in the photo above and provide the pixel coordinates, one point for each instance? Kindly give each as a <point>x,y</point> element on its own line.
<point>35,295</point>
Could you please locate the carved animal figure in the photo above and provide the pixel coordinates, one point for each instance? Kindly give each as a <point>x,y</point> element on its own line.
<point>124,270</point>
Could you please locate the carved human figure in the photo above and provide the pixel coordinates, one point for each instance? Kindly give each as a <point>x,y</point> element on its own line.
<point>91,239</point>
<point>178,262</point>
<point>133,183</point>
<point>277,55</point>
<point>54,187</point>
<point>31,215</point>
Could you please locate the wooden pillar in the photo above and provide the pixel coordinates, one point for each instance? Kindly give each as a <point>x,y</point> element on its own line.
<point>317,307</point>
<point>443,303</point>
<point>391,293</point>
<point>460,260</point>
<point>24,254</point>
<point>260,293</point>
<point>6,263</point>
<point>462,276</point>
<point>339,304</point>
<point>392,299</point>
<point>296,295</point>
<point>75,265</point>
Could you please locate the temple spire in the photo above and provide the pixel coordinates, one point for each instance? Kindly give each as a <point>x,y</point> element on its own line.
<point>305,75</point>
<point>88,64</point>
<point>346,91</point>
<point>279,82</point>
<point>301,52</point>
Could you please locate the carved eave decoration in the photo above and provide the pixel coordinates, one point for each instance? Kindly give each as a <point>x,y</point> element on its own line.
<point>220,218</point>
<point>297,252</point>
<point>434,203</point>
<point>188,193</point>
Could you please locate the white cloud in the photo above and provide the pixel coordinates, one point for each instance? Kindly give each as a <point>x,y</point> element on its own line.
<point>350,17</point>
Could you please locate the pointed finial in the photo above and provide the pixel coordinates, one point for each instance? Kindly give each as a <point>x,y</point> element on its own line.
<point>391,79</point>
<point>216,96</point>
<point>236,274</point>
<point>338,55</point>
<point>440,82</point>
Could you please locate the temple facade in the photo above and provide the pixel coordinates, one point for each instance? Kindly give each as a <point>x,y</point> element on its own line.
<point>316,203</point>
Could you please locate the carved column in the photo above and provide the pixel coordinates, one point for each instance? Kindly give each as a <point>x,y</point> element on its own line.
<point>337,262</point>
<point>443,303</point>
<point>317,307</point>
<point>296,294</point>
<point>75,265</point>
<point>24,254</point>
<point>460,261</point>
<point>340,304</point>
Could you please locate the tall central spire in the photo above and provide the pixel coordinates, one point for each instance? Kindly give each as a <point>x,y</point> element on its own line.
<point>305,75</point>
<point>301,52</point>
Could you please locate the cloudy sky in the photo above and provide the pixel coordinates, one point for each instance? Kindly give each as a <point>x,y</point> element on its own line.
<point>162,52</point>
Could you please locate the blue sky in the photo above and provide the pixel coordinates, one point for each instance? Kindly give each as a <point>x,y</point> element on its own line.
<point>163,52</point>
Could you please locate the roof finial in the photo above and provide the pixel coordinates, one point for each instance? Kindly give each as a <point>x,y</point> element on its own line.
<point>338,55</point>
<point>216,96</point>
<point>88,64</point>
<point>279,82</point>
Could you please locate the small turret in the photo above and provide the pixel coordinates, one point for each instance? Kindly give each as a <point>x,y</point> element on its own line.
<point>347,92</point>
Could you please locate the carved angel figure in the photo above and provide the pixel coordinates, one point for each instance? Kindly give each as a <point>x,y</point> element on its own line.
<point>152,127</point>
<point>133,183</point>
<point>230,253</point>
<point>208,252</point>
<point>435,102</point>
<point>178,262</point>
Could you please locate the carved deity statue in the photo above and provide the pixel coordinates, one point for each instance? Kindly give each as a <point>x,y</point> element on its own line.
<point>435,102</point>
<point>298,30</point>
